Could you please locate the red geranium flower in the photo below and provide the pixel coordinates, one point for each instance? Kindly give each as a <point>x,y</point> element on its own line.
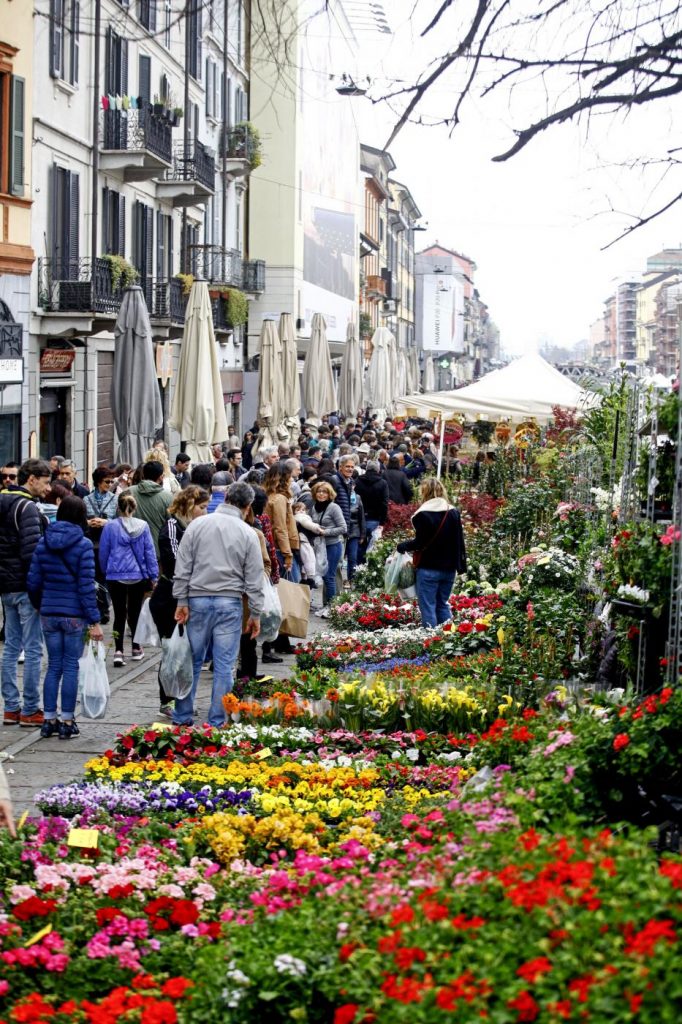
<point>346,1014</point>
<point>621,741</point>
<point>525,1006</point>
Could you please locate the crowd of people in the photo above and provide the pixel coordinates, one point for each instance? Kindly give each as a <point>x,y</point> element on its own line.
<point>199,541</point>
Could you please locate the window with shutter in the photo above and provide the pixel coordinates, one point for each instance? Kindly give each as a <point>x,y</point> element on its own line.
<point>64,39</point>
<point>75,41</point>
<point>144,77</point>
<point>17,137</point>
<point>56,38</point>
<point>209,108</point>
<point>74,206</point>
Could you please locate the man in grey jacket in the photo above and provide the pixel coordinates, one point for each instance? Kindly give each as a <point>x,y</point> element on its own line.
<point>219,561</point>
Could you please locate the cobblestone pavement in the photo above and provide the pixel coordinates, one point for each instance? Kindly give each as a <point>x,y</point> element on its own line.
<point>32,763</point>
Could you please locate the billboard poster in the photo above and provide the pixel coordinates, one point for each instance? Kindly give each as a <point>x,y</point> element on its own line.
<point>329,179</point>
<point>442,307</point>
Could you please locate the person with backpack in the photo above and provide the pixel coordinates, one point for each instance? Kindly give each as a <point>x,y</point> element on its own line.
<point>128,560</point>
<point>21,527</point>
<point>61,585</point>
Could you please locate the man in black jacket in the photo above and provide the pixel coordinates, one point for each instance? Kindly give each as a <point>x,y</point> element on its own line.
<point>399,487</point>
<point>67,478</point>
<point>373,491</point>
<point>21,526</point>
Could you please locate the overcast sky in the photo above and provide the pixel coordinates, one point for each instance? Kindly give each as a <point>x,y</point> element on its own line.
<point>536,224</point>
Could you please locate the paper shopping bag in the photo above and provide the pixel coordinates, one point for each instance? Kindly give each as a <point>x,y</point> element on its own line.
<point>295,601</point>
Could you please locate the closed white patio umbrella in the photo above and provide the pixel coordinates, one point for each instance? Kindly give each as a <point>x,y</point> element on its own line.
<point>270,390</point>
<point>291,387</point>
<point>319,393</point>
<point>429,383</point>
<point>380,380</point>
<point>135,398</point>
<point>198,412</point>
<point>412,370</point>
<point>350,381</point>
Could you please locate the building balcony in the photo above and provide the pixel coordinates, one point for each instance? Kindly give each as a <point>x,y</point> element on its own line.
<point>190,181</point>
<point>136,143</point>
<point>254,276</point>
<point>77,286</point>
<point>177,306</point>
<point>216,265</point>
<point>376,285</point>
<point>221,266</point>
<point>241,150</point>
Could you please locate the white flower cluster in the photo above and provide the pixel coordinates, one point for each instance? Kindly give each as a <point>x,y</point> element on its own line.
<point>631,593</point>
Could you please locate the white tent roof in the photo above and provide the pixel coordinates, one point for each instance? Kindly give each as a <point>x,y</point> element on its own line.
<point>529,386</point>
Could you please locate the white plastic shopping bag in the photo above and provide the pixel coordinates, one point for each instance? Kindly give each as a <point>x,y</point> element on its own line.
<point>146,634</point>
<point>93,680</point>
<point>176,672</point>
<point>271,616</point>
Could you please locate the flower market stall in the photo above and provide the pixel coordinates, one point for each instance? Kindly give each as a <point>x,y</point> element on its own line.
<point>475,821</point>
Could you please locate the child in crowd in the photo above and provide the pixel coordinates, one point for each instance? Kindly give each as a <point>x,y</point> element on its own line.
<point>307,531</point>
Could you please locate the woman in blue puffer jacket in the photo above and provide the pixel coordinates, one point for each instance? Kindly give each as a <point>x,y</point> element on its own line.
<point>128,560</point>
<point>61,584</point>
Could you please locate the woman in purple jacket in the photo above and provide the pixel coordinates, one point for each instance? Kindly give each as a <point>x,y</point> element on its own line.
<point>128,561</point>
<point>61,584</point>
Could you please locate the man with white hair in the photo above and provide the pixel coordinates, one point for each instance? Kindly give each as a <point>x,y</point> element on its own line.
<point>266,457</point>
<point>218,562</point>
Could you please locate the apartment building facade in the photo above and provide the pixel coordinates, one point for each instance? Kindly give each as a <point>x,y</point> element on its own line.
<point>16,251</point>
<point>142,152</point>
<point>304,209</point>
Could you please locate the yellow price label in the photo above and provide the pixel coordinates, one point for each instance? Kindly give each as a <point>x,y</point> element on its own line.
<point>262,754</point>
<point>22,821</point>
<point>500,636</point>
<point>84,838</point>
<point>38,936</point>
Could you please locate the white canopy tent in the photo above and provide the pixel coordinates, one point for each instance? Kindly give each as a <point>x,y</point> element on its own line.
<point>527,387</point>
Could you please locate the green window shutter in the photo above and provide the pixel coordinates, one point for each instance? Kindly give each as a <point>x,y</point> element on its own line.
<point>17,137</point>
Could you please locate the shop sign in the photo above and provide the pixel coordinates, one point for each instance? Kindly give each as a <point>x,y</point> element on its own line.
<point>11,371</point>
<point>57,360</point>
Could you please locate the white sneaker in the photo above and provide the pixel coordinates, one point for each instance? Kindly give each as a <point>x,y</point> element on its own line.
<point>323,613</point>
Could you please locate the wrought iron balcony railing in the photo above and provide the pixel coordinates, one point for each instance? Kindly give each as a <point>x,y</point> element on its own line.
<point>11,340</point>
<point>138,130</point>
<point>254,276</point>
<point>216,265</point>
<point>77,286</point>
<point>178,307</point>
<point>240,144</point>
<point>192,164</point>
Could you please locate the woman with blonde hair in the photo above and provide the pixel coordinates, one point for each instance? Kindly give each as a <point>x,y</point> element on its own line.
<point>329,517</point>
<point>186,506</point>
<point>169,482</point>
<point>439,552</point>
<point>277,486</point>
<point>128,561</point>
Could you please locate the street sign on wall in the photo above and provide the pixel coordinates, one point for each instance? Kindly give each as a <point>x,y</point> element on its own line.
<point>11,371</point>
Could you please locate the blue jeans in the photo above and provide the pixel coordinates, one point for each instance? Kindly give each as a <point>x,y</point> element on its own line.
<point>217,620</point>
<point>334,552</point>
<point>22,632</point>
<point>352,555</point>
<point>64,639</point>
<point>434,587</point>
